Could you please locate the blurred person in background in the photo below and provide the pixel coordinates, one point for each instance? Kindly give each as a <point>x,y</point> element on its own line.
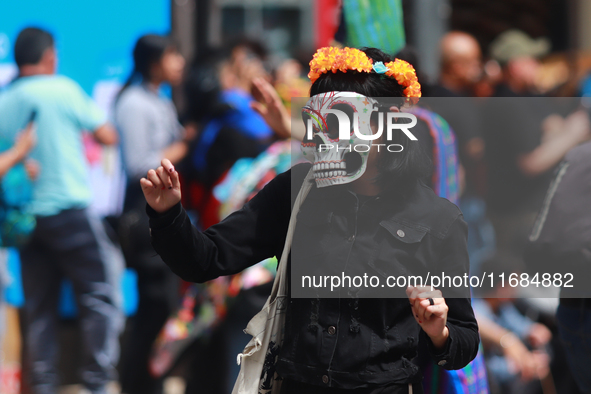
<point>149,128</point>
<point>461,66</point>
<point>68,240</point>
<point>526,143</point>
<point>237,114</point>
<point>517,349</point>
<point>526,138</point>
<point>559,242</point>
<point>461,69</point>
<point>451,99</point>
<point>518,55</point>
<point>9,158</point>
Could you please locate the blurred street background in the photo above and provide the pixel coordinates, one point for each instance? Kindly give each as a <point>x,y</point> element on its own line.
<point>183,338</point>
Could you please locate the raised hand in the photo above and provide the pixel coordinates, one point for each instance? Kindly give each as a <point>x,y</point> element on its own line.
<point>32,168</point>
<point>162,187</point>
<point>430,311</point>
<point>269,105</point>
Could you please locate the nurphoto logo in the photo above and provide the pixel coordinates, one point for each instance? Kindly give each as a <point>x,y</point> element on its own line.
<point>345,130</point>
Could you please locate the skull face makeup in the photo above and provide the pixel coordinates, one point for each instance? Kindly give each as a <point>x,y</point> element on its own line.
<point>336,161</point>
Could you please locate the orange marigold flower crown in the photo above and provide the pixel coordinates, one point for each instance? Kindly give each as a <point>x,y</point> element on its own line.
<point>336,59</point>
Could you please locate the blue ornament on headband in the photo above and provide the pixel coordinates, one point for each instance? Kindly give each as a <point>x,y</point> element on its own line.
<point>379,68</point>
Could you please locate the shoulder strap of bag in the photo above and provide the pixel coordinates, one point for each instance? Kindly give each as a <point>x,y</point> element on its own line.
<point>280,283</point>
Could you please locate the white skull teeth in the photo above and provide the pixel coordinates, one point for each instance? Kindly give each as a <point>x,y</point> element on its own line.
<point>331,166</point>
<point>329,174</point>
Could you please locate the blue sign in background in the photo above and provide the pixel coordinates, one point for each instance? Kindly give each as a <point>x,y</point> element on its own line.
<point>94,38</point>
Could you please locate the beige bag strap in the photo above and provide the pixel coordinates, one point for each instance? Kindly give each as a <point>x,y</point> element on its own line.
<point>280,283</point>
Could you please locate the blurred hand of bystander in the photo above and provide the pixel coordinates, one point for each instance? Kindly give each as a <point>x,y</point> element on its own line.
<point>269,105</point>
<point>578,125</point>
<point>539,335</point>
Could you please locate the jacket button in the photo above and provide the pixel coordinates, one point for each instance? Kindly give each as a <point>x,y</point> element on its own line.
<point>442,363</point>
<point>332,330</point>
<point>400,233</point>
<point>351,238</point>
<point>325,379</point>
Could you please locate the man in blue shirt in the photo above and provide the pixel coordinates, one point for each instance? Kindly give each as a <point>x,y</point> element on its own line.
<point>68,241</point>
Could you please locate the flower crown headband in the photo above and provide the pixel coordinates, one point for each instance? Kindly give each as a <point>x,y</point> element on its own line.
<point>336,59</point>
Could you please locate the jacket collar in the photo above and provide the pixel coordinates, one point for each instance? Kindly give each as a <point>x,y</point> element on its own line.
<point>420,212</point>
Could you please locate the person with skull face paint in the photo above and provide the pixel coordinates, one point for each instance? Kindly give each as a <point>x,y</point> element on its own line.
<point>354,344</point>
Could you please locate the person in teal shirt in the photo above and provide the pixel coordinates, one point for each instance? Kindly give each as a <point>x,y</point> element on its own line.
<point>68,241</point>
<point>61,105</point>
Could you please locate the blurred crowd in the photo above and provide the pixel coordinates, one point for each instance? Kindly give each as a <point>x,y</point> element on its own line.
<point>233,135</point>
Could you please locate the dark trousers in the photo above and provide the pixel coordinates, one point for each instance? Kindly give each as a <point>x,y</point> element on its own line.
<point>72,245</point>
<point>158,291</point>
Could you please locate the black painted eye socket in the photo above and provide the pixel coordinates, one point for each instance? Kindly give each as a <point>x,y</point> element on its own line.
<point>353,162</point>
<point>332,121</point>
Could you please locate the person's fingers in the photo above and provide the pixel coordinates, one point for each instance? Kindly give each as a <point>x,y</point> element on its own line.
<point>271,95</point>
<point>155,179</point>
<point>422,292</point>
<point>146,183</point>
<point>167,165</point>
<point>424,305</point>
<point>426,302</point>
<point>440,311</point>
<point>164,177</point>
<point>147,186</point>
<point>414,311</point>
<point>263,88</point>
<point>26,138</point>
<point>421,312</point>
<point>176,182</point>
<point>33,169</point>
<point>524,369</point>
<point>425,289</point>
<point>542,364</point>
<point>256,90</point>
<point>30,127</point>
<point>529,367</point>
<point>423,295</point>
<point>412,292</point>
<point>259,108</point>
<point>28,131</point>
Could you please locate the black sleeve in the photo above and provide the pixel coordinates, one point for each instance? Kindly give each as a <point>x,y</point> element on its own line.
<point>244,238</point>
<point>462,345</point>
